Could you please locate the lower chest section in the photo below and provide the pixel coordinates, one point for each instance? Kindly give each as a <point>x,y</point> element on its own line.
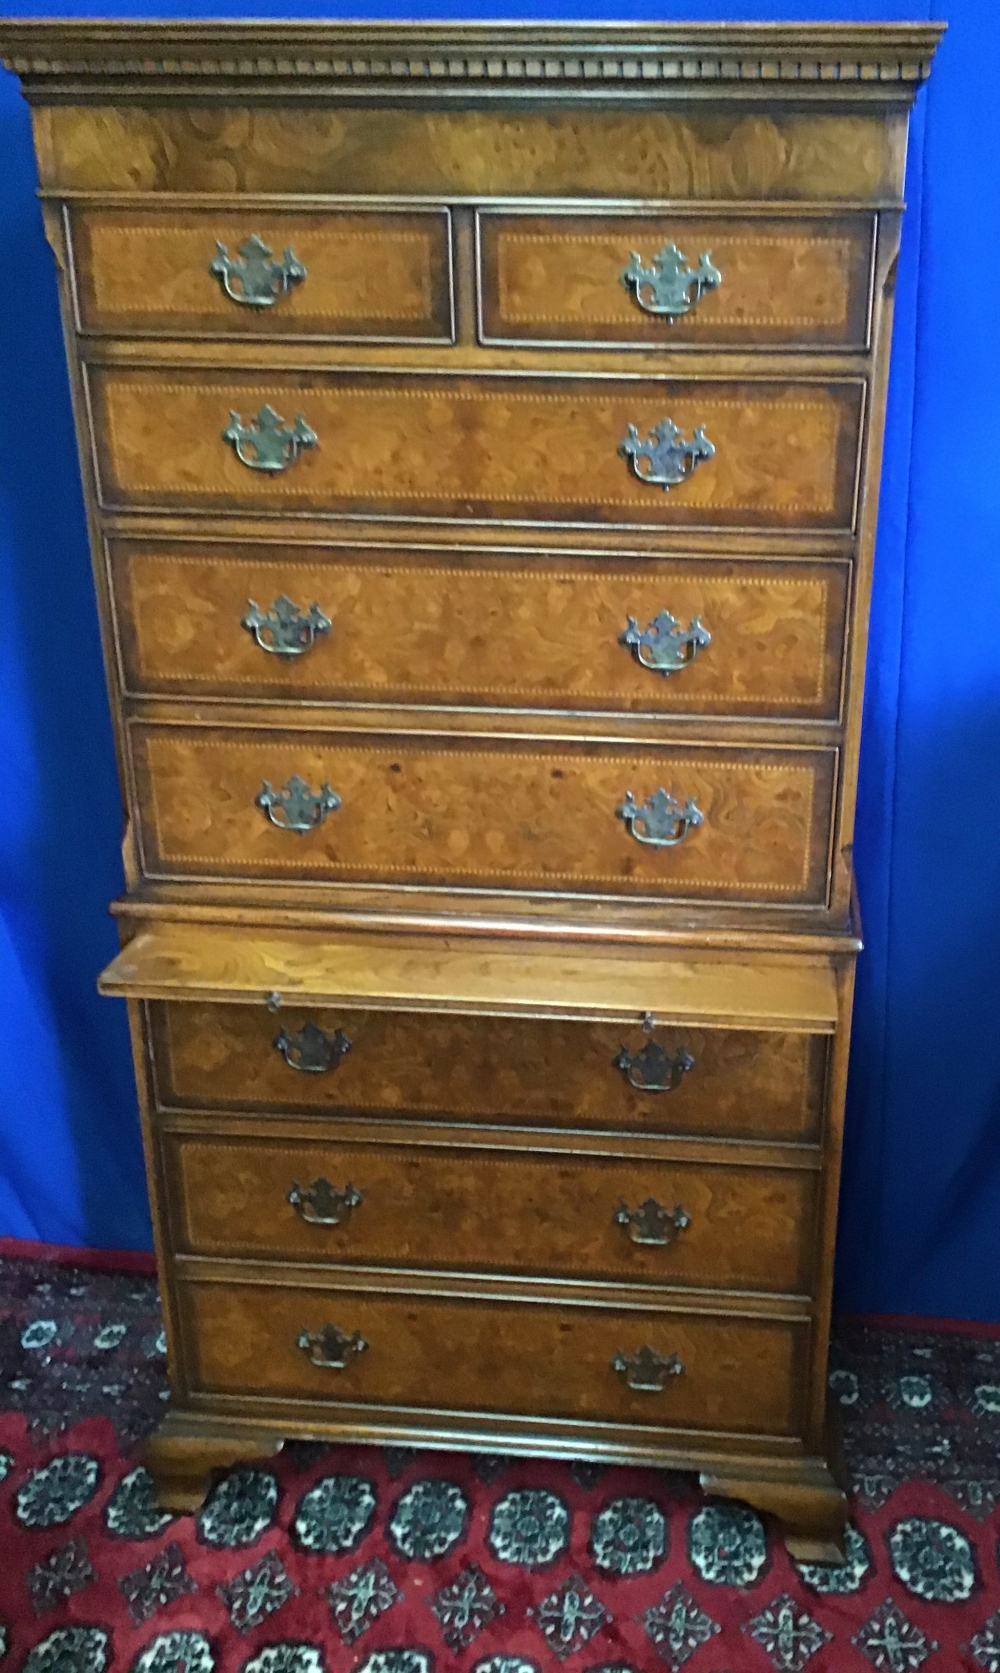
<point>502,1222</point>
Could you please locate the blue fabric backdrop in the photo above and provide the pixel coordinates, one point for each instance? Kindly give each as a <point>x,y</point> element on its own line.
<point>921,1198</point>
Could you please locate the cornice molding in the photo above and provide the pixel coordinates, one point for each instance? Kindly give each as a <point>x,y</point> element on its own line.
<point>93,57</point>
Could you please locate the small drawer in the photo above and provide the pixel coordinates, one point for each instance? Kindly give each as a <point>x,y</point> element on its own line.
<point>675,280</point>
<point>597,819</point>
<point>468,1209</point>
<point>712,1373</point>
<point>718,1083</point>
<point>746,638</point>
<point>248,272</point>
<point>642,452</point>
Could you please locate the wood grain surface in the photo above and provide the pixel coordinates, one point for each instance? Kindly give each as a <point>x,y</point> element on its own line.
<point>720,153</point>
<point>483,629</point>
<point>493,1211</point>
<point>489,1069</point>
<point>367,275</point>
<point>553,1361</point>
<point>466,448</point>
<point>474,976</point>
<point>474,812</point>
<point>785,281</point>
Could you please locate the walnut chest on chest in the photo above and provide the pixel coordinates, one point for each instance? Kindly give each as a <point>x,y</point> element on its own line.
<point>480,428</point>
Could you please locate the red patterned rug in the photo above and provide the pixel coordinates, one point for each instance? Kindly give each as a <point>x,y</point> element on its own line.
<point>365,1560</point>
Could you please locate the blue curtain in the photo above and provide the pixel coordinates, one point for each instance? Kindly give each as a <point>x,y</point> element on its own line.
<point>921,1195</point>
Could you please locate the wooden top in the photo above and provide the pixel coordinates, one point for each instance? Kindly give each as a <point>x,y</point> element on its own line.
<point>95,57</point>
<point>409,973</point>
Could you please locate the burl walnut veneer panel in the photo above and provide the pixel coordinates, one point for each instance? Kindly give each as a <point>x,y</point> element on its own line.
<point>374,275</point>
<point>554,1361</point>
<point>489,1070</point>
<point>492,1211</point>
<point>719,154</point>
<point>411,627</point>
<point>540,449</point>
<point>473,812</point>
<point>784,282</point>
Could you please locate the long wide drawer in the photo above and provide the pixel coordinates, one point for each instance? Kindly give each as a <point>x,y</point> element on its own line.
<point>509,447</point>
<point>469,1208</point>
<point>748,637</point>
<point>752,826</point>
<point>738,1374</point>
<point>723,1083</point>
<point>229,272</point>
<point>671,280</point>
<point>579,148</point>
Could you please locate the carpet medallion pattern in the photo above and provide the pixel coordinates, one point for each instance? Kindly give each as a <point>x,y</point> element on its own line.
<point>367,1560</point>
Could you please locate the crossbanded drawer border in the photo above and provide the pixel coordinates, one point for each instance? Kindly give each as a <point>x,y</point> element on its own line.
<point>139,729</point>
<point>829,576</point>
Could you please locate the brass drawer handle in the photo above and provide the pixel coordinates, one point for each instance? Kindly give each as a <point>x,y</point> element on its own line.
<point>312,1051</point>
<point>296,807</point>
<point>661,821</point>
<point>665,646</point>
<point>669,458</point>
<point>252,277</point>
<point>651,1222</point>
<point>321,1204</point>
<point>267,443</point>
<point>668,287</point>
<point>330,1348</point>
<point>645,1371</point>
<point>285,630</point>
<point>652,1069</point>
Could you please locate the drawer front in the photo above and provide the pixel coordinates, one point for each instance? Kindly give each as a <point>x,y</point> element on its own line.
<point>507,447</point>
<point>440,813</point>
<point>490,1069</point>
<point>485,629</point>
<point>775,282</point>
<point>539,151</point>
<point>742,1375</point>
<point>493,1211</point>
<point>378,275</point>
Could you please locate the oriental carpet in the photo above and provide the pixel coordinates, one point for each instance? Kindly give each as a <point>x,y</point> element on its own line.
<point>367,1560</point>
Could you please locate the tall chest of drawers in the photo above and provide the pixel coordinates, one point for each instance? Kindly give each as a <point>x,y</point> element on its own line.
<point>481,429</point>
